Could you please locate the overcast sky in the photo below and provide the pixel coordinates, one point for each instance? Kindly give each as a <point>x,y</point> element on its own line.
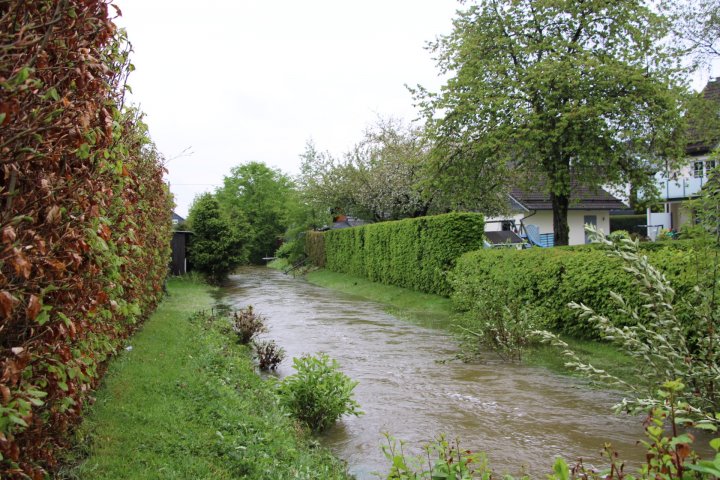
<point>253,80</point>
<point>230,82</point>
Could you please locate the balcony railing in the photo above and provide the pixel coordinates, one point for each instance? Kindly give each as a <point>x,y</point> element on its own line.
<point>683,187</point>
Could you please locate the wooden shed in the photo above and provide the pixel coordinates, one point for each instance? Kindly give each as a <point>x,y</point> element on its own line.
<point>179,264</point>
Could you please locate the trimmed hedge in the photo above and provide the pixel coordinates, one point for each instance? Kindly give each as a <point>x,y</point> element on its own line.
<point>413,253</point>
<point>548,279</point>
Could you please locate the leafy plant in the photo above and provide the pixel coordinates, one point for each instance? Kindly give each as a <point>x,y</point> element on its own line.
<point>318,394</point>
<point>666,347</point>
<point>268,354</point>
<point>247,324</point>
<point>498,322</point>
<point>442,460</point>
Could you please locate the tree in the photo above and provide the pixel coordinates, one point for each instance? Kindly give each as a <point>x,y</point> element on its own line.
<point>259,194</point>
<point>383,177</point>
<point>557,90</point>
<point>218,246</point>
<point>697,25</point>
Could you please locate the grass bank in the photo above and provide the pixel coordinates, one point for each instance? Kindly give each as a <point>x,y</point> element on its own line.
<point>186,403</point>
<point>436,311</point>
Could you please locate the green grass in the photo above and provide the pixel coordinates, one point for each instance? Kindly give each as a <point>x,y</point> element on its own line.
<point>424,308</point>
<point>436,311</point>
<point>186,403</point>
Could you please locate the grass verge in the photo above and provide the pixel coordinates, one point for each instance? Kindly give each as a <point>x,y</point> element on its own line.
<point>186,403</point>
<point>424,308</point>
<point>436,311</point>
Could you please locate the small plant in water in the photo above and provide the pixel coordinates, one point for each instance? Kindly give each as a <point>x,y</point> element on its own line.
<point>441,460</point>
<point>318,394</point>
<point>247,324</point>
<point>268,354</point>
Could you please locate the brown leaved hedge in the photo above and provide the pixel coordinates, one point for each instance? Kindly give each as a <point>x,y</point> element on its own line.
<point>84,219</point>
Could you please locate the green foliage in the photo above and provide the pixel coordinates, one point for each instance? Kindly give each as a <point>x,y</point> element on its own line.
<point>218,246</point>
<point>500,322</point>
<point>318,394</point>
<point>667,346</point>
<point>547,280</point>
<point>247,324</point>
<point>442,460</point>
<point>262,197</point>
<point>537,86</point>
<point>84,223</point>
<point>412,253</point>
<point>383,177</point>
<point>187,403</point>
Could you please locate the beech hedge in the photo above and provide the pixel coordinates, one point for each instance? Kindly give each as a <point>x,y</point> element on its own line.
<point>548,279</point>
<point>85,221</point>
<point>413,253</point>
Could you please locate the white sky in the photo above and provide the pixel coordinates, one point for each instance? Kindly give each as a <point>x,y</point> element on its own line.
<point>229,82</point>
<point>253,80</point>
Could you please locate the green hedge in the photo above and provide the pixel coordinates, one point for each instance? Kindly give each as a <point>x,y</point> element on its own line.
<point>548,279</point>
<point>414,253</point>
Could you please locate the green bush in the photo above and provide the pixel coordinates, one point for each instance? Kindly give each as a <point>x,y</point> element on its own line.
<point>549,279</point>
<point>413,253</point>
<point>318,393</point>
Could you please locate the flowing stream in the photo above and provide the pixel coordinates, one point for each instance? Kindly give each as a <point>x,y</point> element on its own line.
<point>519,415</point>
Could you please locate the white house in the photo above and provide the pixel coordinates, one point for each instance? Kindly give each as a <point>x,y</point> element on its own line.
<point>680,185</point>
<point>530,211</point>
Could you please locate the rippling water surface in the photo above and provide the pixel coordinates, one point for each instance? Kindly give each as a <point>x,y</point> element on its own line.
<point>519,415</point>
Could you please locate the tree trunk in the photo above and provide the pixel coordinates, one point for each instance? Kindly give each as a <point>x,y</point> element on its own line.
<point>560,205</point>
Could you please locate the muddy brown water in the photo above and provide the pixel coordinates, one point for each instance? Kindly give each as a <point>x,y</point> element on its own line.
<point>518,415</point>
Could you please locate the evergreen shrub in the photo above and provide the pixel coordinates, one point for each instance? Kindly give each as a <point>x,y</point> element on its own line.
<point>414,253</point>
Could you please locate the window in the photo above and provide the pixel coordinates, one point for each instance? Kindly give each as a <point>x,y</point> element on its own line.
<point>709,165</point>
<point>698,169</point>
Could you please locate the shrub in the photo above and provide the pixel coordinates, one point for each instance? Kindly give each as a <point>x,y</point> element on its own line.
<point>218,246</point>
<point>247,324</point>
<point>547,280</point>
<point>667,347</point>
<point>318,394</point>
<point>413,253</point>
<point>268,354</point>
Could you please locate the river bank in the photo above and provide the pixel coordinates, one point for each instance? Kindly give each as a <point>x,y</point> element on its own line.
<point>411,386</point>
<point>437,312</point>
<point>184,401</point>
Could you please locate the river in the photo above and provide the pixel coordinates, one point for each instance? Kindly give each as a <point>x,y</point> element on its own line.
<point>522,417</point>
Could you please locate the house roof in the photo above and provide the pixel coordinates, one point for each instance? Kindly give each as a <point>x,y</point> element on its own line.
<point>582,197</point>
<point>697,146</point>
<point>177,217</point>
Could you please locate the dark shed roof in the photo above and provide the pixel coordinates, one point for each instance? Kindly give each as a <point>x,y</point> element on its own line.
<point>582,197</point>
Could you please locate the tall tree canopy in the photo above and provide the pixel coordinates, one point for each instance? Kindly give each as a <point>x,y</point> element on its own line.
<point>560,90</point>
<point>259,195</point>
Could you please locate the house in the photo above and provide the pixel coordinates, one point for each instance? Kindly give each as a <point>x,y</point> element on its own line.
<point>680,185</point>
<point>531,214</point>
<point>177,219</point>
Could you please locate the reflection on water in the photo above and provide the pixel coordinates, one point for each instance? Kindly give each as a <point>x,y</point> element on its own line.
<point>519,415</point>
